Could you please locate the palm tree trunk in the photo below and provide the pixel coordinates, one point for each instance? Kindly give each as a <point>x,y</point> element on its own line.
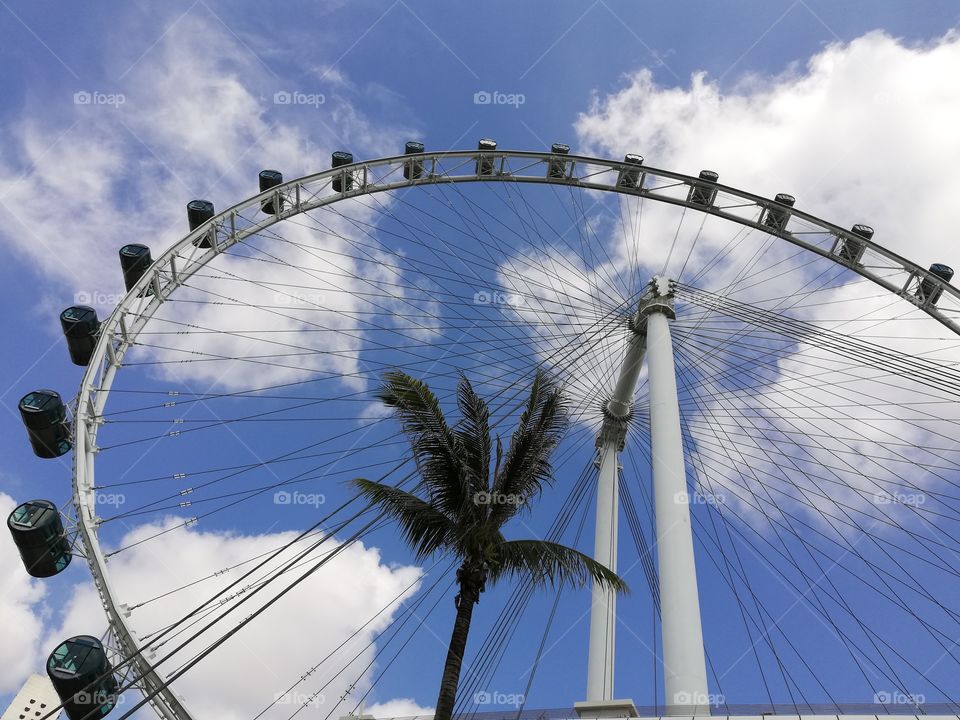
<point>469,595</point>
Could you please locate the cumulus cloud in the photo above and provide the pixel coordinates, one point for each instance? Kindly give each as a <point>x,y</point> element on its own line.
<point>23,611</point>
<point>863,133</point>
<point>270,654</point>
<point>198,120</point>
<point>399,708</point>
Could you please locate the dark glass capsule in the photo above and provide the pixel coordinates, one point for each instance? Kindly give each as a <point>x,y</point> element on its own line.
<point>776,217</point>
<point>702,193</point>
<point>850,249</point>
<point>413,169</point>
<point>557,167</point>
<point>929,289</point>
<point>83,678</point>
<point>630,173</point>
<point>485,162</point>
<point>81,328</point>
<point>270,179</point>
<point>198,212</point>
<point>45,417</point>
<point>134,261</point>
<point>38,533</point>
<point>344,182</point>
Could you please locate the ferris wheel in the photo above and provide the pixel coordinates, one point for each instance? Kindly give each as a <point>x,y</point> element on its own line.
<point>742,375</point>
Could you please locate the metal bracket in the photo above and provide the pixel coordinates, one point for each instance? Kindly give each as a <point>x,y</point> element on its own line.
<point>613,429</point>
<point>660,298</point>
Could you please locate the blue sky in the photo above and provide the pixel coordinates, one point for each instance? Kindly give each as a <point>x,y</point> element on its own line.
<point>186,101</point>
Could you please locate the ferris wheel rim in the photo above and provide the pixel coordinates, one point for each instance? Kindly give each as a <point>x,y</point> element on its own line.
<point>120,330</point>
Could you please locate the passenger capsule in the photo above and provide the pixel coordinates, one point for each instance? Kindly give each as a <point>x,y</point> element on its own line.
<point>776,217</point>
<point>134,261</point>
<point>929,289</point>
<point>83,678</point>
<point>45,417</point>
<point>557,168</point>
<point>343,182</point>
<point>38,533</point>
<point>851,249</point>
<point>198,212</point>
<point>630,173</point>
<point>81,328</point>
<point>270,179</point>
<point>413,169</point>
<point>702,193</point>
<point>484,161</point>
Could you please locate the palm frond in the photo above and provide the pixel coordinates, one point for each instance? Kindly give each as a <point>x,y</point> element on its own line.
<point>435,446</point>
<point>474,435</point>
<point>425,528</point>
<point>549,563</point>
<point>526,466</point>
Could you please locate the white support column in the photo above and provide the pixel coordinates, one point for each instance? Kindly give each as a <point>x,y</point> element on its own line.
<point>603,610</point>
<point>603,613</point>
<point>685,674</point>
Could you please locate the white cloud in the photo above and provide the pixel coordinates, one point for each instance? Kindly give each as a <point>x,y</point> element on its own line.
<point>865,132</point>
<point>271,653</point>
<point>22,612</point>
<point>585,345</point>
<point>198,120</point>
<point>399,708</point>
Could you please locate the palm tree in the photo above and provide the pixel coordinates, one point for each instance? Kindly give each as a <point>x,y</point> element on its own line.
<point>458,506</point>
